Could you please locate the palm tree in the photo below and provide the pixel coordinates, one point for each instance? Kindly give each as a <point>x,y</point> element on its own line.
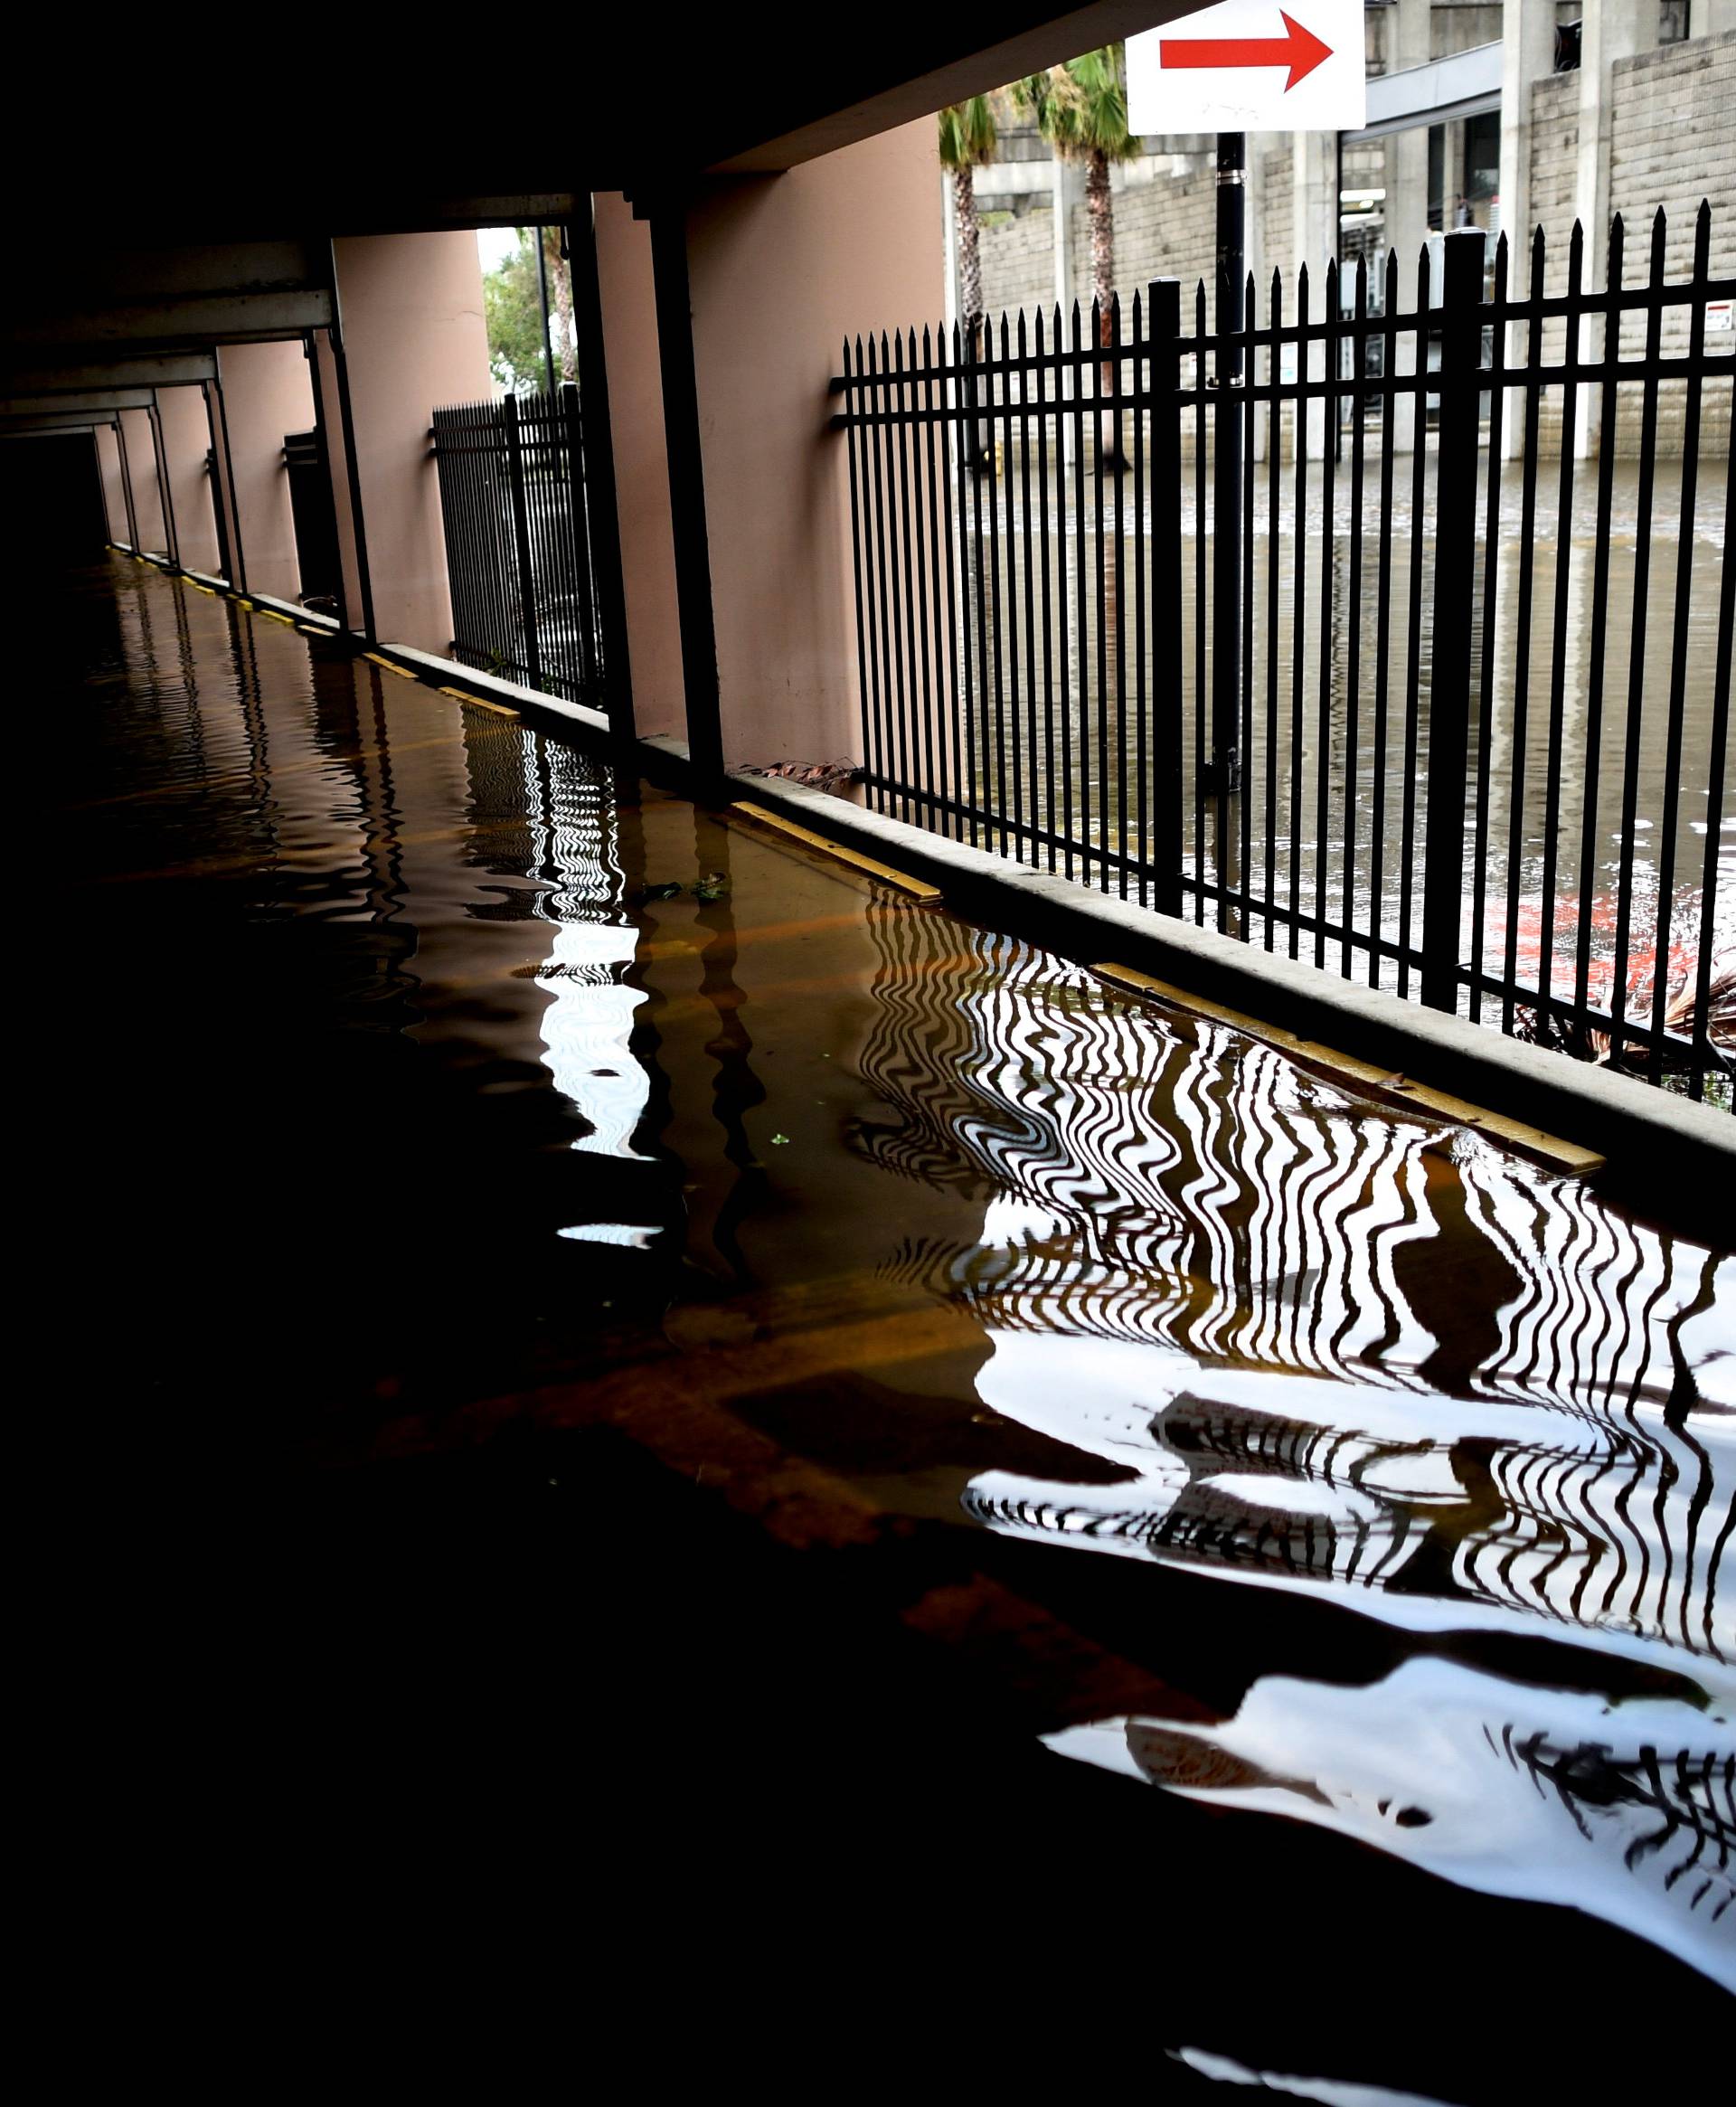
<point>968,141</point>
<point>1082,110</point>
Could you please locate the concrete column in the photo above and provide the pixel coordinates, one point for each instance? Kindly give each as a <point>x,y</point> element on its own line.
<point>1527,54</point>
<point>141,462</point>
<point>641,465</point>
<point>1407,197</point>
<point>1613,29</point>
<point>186,440</point>
<point>1314,208</point>
<point>1259,269</point>
<point>266,394</point>
<point>779,270</point>
<point>410,311</point>
<point>1068,182</point>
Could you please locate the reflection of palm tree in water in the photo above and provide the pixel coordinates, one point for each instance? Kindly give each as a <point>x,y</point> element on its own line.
<point>1528,1790</point>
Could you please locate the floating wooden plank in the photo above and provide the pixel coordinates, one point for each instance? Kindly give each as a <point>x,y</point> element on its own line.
<point>918,888</point>
<point>1365,1076</point>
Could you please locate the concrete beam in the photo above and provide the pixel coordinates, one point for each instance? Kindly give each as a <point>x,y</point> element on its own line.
<point>58,421</point>
<point>172,299</point>
<point>79,375</point>
<point>98,400</point>
<point>235,318</point>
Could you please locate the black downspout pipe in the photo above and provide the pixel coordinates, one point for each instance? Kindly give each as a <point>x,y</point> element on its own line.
<point>674,301</point>
<point>600,507</point>
<point>353,467</point>
<point>127,483</point>
<point>163,494</point>
<point>542,303</point>
<point>238,551</point>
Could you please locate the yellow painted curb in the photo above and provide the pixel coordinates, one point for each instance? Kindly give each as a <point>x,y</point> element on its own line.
<point>402,672</point>
<point>918,888</point>
<point>461,695</point>
<point>1566,1157</point>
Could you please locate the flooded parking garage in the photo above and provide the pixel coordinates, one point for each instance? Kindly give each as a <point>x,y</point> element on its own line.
<point>999,1489</point>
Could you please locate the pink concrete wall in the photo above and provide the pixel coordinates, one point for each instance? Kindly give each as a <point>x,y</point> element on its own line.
<point>641,465</point>
<point>266,394</point>
<point>186,439</point>
<point>114,497</point>
<point>781,269</point>
<point>141,461</point>
<point>410,306</point>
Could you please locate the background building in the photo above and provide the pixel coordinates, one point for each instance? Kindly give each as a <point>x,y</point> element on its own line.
<point>1537,112</point>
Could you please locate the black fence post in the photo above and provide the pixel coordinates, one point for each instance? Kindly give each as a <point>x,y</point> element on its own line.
<point>1166,687</point>
<point>1223,771</point>
<point>522,539</point>
<point>1449,693</point>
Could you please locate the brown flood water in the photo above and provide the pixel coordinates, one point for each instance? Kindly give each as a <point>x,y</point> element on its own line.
<point>442,1093</point>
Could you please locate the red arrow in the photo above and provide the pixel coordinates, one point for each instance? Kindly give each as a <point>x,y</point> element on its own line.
<point>1301,50</point>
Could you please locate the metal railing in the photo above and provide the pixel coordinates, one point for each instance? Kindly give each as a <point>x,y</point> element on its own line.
<point>1346,735</point>
<point>518,551</point>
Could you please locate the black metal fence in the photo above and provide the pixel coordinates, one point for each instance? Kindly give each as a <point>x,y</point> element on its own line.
<point>1136,602</point>
<point>518,547</point>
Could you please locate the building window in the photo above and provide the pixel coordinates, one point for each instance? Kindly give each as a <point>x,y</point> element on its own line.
<point>1673,22</point>
<point>1567,47</point>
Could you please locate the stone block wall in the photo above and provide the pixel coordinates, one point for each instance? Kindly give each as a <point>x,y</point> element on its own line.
<point>1674,143</point>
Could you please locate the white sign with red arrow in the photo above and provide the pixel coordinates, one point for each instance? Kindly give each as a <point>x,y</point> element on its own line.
<point>1251,66</point>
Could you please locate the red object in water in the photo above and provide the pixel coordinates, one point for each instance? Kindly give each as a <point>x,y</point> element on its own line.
<point>1300,49</point>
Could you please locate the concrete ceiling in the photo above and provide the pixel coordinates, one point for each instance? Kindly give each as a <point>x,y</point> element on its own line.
<point>211,172</point>
<point>189,136</point>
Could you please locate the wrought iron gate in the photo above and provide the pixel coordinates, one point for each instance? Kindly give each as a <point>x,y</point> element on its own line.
<point>518,546</point>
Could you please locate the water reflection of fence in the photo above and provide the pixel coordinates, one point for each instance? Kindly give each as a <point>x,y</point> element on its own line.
<point>1194,1263</point>
<point>517,542</point>
<point>1024,636</point>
